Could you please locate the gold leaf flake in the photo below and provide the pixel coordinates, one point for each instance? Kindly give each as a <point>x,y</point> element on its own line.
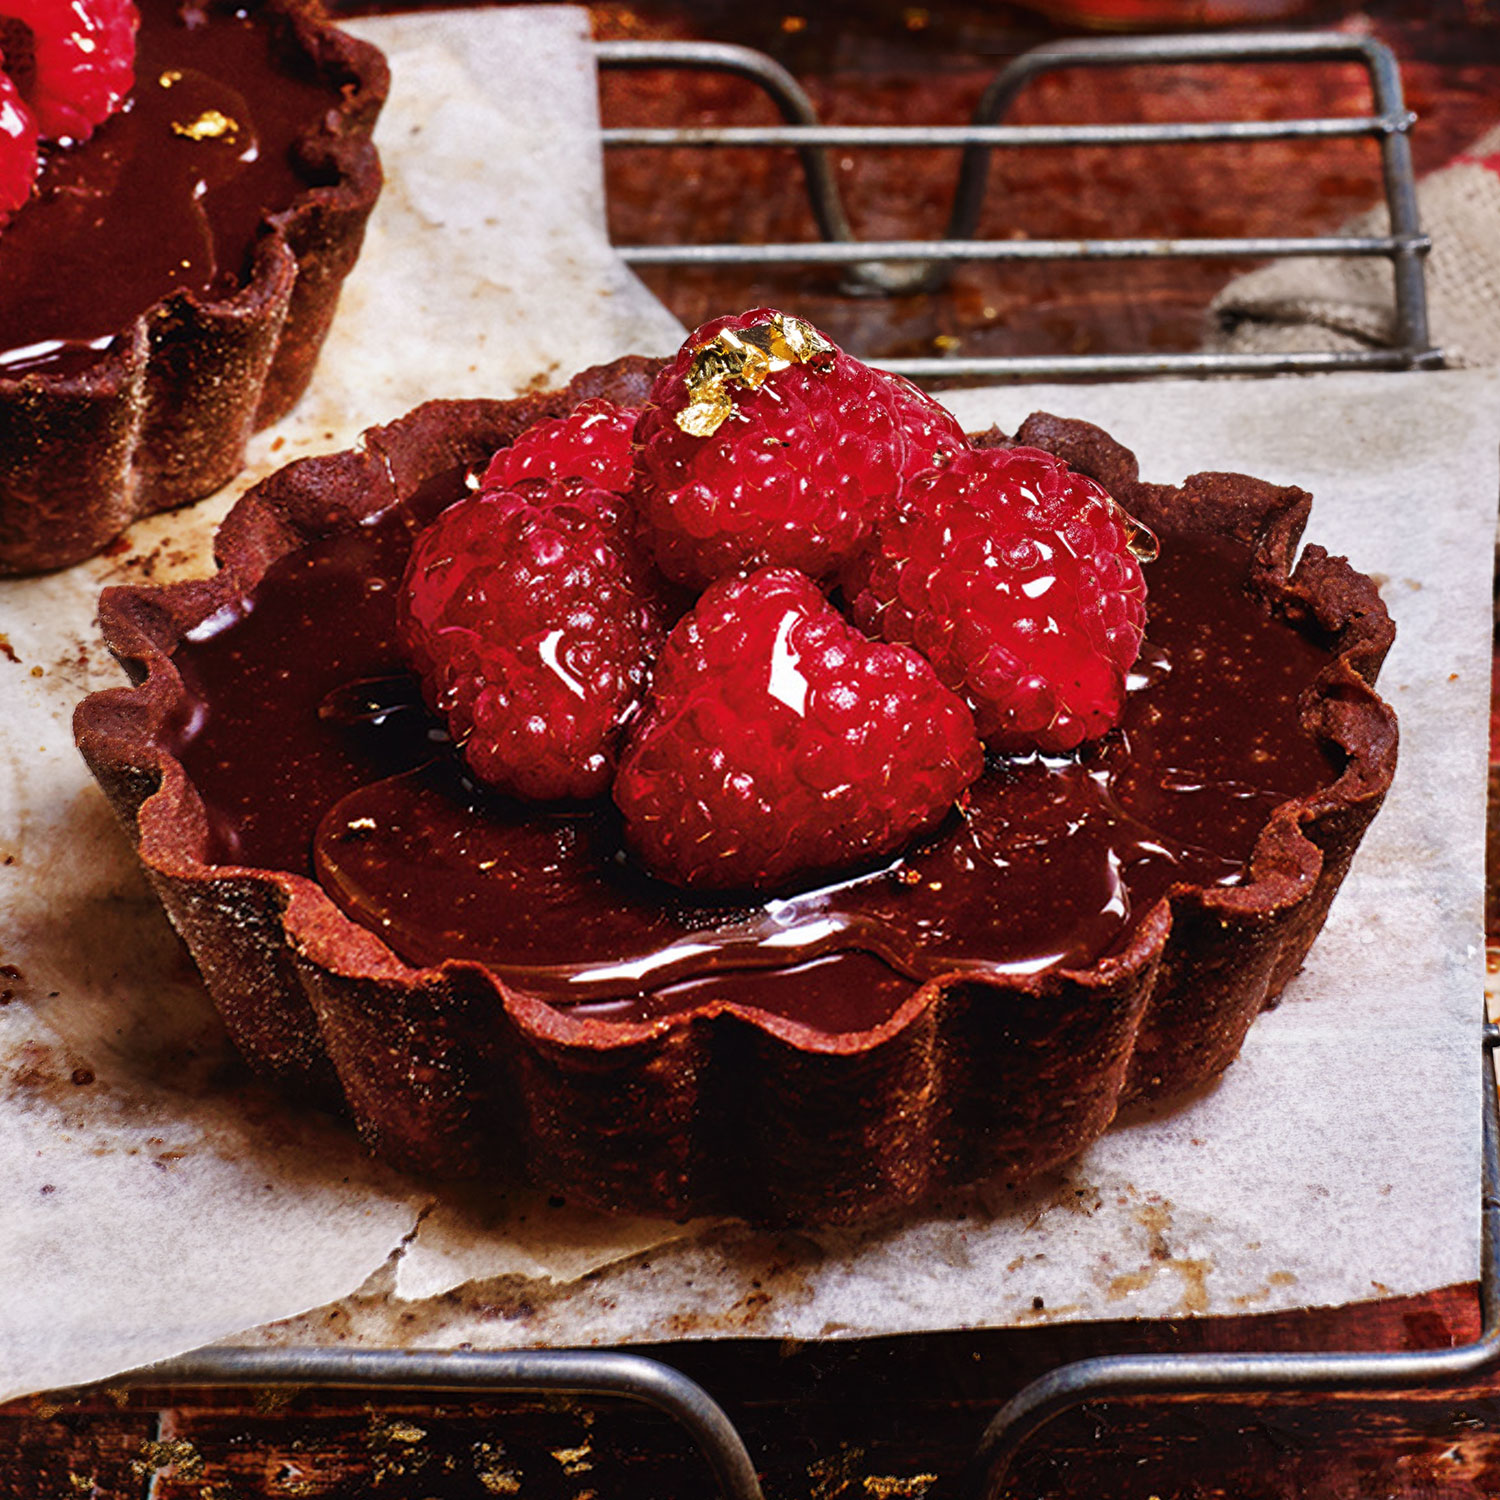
<point>890,1487</point>
<point>211,125</point>
<point>574,1460</point>
<point>177,1454</point>
<point>744,356</point>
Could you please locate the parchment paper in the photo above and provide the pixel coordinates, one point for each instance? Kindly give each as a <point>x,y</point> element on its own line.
<point>152,1198</point>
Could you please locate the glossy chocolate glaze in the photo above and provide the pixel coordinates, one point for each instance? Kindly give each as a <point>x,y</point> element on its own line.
<point>312,753</point>
<point>167,195</point>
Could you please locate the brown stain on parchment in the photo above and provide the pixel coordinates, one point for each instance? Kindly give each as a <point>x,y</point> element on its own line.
<point>81,668</point>
<point>1070,1196</point>
<point>1156,1219</point>
<point>1261,1294</point>
<point>785,1265</point>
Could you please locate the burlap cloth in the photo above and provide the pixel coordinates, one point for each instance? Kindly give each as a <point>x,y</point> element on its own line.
<point>1313,303</point>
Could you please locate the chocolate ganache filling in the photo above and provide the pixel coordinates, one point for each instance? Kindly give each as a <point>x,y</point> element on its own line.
<point>309,745</point>
<point>168,194</point>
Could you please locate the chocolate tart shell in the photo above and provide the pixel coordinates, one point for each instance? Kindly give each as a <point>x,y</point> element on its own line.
<point>725,1109</point>
<point>164,417</point>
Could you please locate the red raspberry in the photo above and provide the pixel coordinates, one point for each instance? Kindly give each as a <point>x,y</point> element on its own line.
<point>592,442</point>
<point>81,64</point>
<point>778,741</point>
<point>1014,577</point>
<point>799,452</point>
<point>532,622</point>
<point>18,156</point>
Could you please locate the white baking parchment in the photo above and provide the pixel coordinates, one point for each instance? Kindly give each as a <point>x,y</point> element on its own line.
<point>153,1198</point>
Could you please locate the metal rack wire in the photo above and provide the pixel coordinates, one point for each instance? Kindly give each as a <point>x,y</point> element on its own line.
<point>902,266</point>
<point>898,266</point>
<point>1218,1374</point>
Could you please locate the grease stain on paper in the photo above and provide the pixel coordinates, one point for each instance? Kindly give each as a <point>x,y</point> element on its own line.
<point>1156,1219</point>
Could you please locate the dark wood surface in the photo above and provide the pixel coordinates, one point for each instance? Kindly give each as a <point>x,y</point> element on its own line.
<point>877,1418</point>
<point>899,1417</point>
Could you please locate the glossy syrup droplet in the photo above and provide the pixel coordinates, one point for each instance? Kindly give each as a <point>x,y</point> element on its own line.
<point>371,700</point>
<point>1144,547</point>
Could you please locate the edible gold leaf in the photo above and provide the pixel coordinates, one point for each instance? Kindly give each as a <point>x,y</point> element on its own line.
<point>706,415</point>
<point>745,357</point>
<point>211,125</point>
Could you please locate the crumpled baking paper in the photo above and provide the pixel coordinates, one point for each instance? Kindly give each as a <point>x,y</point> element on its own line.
<point>154,1198</point>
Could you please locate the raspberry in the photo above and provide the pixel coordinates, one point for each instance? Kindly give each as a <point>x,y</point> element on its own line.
<point>81,63</point>
<point>1014,577</point>
<point>18,156</point>
<point>763,443</point>
<point>532,622</point>
<point>592,442</point>
<point>778,741</point>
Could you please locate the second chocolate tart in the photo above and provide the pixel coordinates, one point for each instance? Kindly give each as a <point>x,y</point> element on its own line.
<point>167,288</point>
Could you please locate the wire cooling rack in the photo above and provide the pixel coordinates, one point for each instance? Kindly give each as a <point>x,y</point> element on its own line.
<point>900,266</point>
<point>889,267</point>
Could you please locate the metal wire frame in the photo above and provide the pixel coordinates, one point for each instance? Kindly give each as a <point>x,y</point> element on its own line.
<point>572,1372</point>
<point>902,266</point>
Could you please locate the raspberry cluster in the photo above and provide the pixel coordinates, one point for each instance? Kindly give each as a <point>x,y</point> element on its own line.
<point>992,599</point>
<point>64,70</point>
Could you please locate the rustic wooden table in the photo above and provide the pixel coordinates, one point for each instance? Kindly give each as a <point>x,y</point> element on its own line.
<point>898,1417</point>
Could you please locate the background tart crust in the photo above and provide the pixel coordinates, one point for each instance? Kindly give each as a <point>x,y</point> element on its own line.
<point>726,1109</point>
<point>164,418</point>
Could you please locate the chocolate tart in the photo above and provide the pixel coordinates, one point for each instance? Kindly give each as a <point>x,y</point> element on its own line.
<point>148,328</point>
<point>494,993</point>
